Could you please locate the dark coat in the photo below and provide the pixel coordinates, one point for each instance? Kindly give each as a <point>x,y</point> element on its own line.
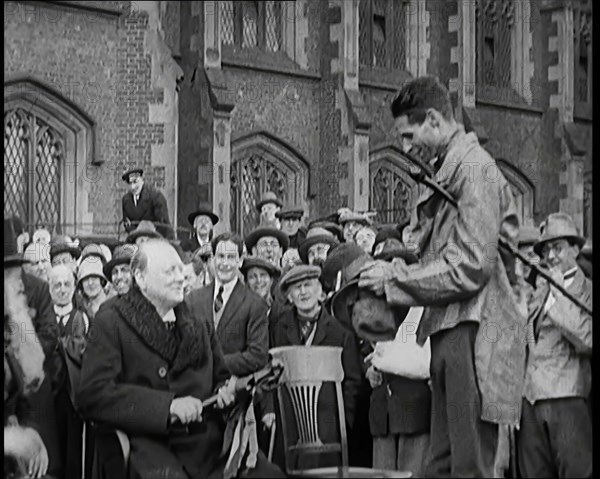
<point>243,330</point>
<point>152,206</point>
<point>134,367</point>
<point>329,333</point>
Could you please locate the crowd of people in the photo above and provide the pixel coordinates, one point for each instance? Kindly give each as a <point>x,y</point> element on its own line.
<point>458,359</point>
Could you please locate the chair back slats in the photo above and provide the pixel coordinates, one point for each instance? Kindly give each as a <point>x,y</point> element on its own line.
<point>305,398</point>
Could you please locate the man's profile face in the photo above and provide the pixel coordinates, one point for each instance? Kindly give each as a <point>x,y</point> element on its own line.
<point>423,139</point>
<point>269,249</point>
<point>305,294</point>
<point>227,261</point>
<point>121,278</point>
<point>135,183</point>
<point>163,279</point>
<point>62,285</point>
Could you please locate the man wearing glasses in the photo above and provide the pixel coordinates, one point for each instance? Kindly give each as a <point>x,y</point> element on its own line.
<point>143,202</point>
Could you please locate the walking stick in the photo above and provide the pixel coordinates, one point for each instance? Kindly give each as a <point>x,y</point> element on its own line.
<point>272,442</point>
<point>425,177</point>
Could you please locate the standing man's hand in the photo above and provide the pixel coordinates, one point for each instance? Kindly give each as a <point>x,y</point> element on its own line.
<point>374,275</point>
<point>226,393</point>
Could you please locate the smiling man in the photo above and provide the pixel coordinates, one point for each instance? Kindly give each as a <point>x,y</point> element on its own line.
<point>238,315</point>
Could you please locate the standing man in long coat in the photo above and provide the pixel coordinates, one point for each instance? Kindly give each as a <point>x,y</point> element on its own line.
<point>143,202</point>
<point>471,314</point>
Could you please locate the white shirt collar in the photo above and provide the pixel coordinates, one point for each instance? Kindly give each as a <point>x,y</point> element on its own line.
<point>169,317</point>
<point>227,287</point>
<point>63,310</point>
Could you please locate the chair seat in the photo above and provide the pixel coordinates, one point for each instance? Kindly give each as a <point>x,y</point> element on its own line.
<point>352,472</point>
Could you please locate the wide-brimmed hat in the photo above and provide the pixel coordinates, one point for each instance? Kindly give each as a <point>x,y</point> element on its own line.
<point>12,257</point>
<point>291,212</point>
<point>528,235</point>
<point>90,267</point>
<point>367,314</point>
<point>144,228</point>
<point>556,226</point>
<point>298,273</point>
<point>206,210</point>
<point>256,262</point>
<point>64,244</point>
<point>131,171</point>
<point>122,255</point>
<point>315,236</point>
<point>268,197</point>
<point>394,248</point>
<point>256,234</point>
<point>338,258</point>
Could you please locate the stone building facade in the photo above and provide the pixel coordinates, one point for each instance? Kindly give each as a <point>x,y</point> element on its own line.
<point>221,101</point>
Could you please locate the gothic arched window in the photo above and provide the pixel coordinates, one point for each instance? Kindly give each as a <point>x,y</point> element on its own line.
<point>393,192</point>
<point>48,146</point>
<point>523,191</point>
<point>260,163</point>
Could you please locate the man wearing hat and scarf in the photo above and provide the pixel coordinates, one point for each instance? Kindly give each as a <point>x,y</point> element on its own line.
<point>203,220</point>
<point>555,437</point>
<point>144,202</point>
<point>463,281</point>
<point>308,323</point>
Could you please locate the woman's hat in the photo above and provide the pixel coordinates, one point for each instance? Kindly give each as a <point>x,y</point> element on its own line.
<point>90,267</point>
<point>256,262</point>
<point>122,255</point>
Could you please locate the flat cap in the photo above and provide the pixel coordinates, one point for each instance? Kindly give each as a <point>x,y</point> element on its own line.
<point>299,273</point>
<point>126,175</point>
<point>290,212</point>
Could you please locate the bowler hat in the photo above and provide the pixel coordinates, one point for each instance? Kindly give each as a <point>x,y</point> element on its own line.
<point>203,209</point>
<point>122,255</point>
<point>556,226</point>
<point>144,228</point>
<point>258,233</point>
<point>11,256</point>
<point>64,244</point>
<point>298,273</point>
<point>268,197</point>
<point>290,212</point>
<point>256,262</point>
<point>315,236</point>
<point>126,175</point>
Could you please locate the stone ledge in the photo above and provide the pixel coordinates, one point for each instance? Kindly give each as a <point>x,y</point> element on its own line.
<point>359,110</point>
<point>574,139</point>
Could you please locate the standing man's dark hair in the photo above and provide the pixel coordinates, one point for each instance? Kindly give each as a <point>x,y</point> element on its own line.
<point>235,239</point>
<point>463,285</point>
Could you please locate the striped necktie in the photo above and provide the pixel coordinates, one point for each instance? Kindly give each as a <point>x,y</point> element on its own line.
<point>219,300</point>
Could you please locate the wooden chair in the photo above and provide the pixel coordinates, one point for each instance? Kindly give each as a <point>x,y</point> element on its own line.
<point>306,369</point>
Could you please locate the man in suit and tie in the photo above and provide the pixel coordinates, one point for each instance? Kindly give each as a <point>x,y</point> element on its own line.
<point>73,324</point>
<point>238,315</point>
<point>143,202</point>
